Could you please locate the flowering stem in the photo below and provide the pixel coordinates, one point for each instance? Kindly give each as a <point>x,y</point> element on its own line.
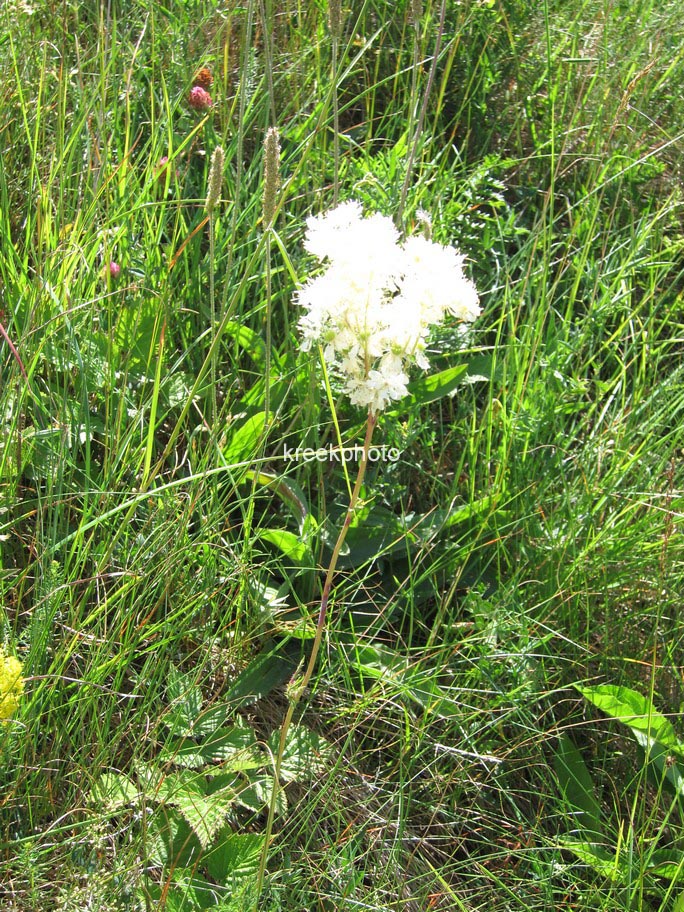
<point>298,687</point>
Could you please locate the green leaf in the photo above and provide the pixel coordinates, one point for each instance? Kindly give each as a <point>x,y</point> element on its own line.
<point>435,386</point>
<point>291,546</point>
<point>667,863</point>
<point>204,813</point>
<point>186,703</point>
<point>597,857</point>
<point>577,789</point>
<point>266,671</point>
<point>657,754</point>
<point>256,795</point>
<point>426,526</point>
<point>635,711</point>
<point>113,791</point>
<point>136,336</point>
<point>170,841</point>
<point>292,496</point>
<point>243,439</point>
<point>374,530</point>
<point>236,744</point>
<point>183,890</point>
<point>306,755</point>
<point>235,857</point>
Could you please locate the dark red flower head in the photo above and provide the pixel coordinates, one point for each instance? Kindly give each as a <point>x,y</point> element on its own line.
<point>199,99</point>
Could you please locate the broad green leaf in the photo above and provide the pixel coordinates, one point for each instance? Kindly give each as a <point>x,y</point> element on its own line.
<point>667,770</point>
<point>667,863</point>
<point>373,531</point>
<point>633,710</point>
<point>183,890</point>
<point>249,341</point>
<point>244,439</point>
<point>577,789</point>
<point>414,683</point>
<point>266,671</point>
<point>597,857</point>
<point>256,795</point>
<point>426,526</point>
<point>291,494</point>
<point>205,814</point>
<point>290,544</point>
<point>234,857</point>
<point>186,703</point>
<point>136,335</point>
<point>209,720</point>
<point>169,839</point>
<point>435,386</point>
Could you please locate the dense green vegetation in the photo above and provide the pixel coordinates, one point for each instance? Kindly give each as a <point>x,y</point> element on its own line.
<point>495,718</point>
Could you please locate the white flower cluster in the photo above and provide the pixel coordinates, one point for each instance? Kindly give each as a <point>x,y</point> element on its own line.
<point>372,308</point>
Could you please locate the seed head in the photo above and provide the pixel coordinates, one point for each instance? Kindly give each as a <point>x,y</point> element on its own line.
<point>218,159</point>
<point>335,18</point>
<point>271,174</point>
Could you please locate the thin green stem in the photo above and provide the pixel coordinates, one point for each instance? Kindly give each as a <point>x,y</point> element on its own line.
<point>212,302</point>
<point>298,687</point>
<point>336,120</point>
<point>415,141</point>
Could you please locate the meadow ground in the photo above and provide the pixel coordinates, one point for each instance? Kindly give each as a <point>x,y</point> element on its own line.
<point>494,719</point>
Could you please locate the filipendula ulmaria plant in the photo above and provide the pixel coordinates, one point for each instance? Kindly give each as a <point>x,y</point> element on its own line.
<point>370,312</point>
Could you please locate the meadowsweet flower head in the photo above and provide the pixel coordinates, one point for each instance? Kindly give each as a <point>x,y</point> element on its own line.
<point>11,685</point>
<point>199,99</point>
<point>373,307</point>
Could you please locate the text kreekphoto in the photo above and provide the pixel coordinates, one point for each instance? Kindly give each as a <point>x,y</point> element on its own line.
<point>346,454</point>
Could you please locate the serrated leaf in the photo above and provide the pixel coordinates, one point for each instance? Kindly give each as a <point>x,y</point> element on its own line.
<point>169,839</point>
<point>306,755</point>
<point>114,790</point>
<point>256,796</point>
<point>204,813</point>
<point>224,745</point>
<point>235,857</point>
<point>185,698</point>
<point>184,891</point>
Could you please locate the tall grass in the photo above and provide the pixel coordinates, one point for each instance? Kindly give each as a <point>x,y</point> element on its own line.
<point>160,561</point>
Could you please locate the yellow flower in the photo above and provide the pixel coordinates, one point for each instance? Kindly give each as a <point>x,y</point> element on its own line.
<point>11,685</point>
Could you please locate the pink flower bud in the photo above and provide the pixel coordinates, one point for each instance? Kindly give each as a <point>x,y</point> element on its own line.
<point>114,270</point>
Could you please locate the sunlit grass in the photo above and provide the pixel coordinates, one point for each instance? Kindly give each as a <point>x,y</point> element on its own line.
<point>160,561</point>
